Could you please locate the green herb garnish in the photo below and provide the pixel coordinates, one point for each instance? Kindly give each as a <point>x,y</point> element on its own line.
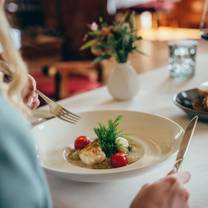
<point>107,135</point>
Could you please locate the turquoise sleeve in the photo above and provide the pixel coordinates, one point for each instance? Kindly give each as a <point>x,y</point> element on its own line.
<point>22,182</point>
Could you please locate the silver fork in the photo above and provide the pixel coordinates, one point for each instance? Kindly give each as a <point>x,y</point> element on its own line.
<point>55,108</point>
<point>59,111</point>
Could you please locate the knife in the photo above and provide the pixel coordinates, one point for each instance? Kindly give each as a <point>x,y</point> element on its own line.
<point>185,142</point>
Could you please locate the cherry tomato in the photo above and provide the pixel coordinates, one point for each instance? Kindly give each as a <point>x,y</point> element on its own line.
<point>118,160</point>
<point>81,142</point>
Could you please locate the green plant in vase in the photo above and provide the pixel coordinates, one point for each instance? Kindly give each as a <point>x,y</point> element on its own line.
<point>116,40</point>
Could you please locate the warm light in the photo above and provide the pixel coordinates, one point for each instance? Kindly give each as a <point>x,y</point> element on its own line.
<point>146,20</point>
<point>197,6</point>
<point>169,33</point>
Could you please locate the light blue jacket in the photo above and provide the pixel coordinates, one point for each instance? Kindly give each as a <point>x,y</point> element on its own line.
<point>22,182</point>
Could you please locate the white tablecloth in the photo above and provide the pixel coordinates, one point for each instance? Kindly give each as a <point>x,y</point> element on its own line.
<point>155,96</point>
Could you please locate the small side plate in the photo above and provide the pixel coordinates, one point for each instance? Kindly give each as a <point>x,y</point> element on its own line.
<point>184,101</point>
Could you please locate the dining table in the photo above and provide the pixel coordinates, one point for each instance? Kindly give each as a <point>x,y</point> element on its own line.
<point>155,96</point>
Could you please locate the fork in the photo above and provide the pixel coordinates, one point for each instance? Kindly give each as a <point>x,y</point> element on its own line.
<point>55,108</point>
<point>58,110</point>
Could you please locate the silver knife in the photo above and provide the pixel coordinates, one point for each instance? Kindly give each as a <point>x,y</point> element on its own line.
<point>189,131</point>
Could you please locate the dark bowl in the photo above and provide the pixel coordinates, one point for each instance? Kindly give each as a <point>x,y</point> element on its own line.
<point>184,101</point>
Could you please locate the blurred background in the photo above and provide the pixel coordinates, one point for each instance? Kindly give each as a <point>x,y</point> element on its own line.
<point>52,32</point>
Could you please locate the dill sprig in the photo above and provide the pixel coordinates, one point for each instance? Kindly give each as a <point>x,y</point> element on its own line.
<point>107,135</point>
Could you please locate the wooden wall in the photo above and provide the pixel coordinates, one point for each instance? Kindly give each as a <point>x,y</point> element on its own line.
<point>186,13</point>
<point>73,18</point>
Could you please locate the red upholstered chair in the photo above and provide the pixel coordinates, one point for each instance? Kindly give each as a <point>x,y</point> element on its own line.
<point>47,82</point>
<point>80,83</point>
<point>78,76</point>
<point>64,79</point>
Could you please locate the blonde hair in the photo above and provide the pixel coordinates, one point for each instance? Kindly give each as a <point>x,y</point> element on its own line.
<point>18,70</point>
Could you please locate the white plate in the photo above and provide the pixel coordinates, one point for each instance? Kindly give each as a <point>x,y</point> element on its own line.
<point>158,136</point>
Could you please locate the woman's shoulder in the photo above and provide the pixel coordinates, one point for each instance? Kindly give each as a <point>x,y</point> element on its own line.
<point>18,163</point>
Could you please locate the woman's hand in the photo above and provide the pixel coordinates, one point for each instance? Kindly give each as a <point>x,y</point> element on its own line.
<point>168,192</point>
<point>30,96</point>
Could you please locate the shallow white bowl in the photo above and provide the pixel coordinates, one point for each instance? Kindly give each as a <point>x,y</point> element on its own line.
<point>158,136</point>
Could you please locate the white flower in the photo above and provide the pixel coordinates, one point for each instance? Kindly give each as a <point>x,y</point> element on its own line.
<point>94,26</point>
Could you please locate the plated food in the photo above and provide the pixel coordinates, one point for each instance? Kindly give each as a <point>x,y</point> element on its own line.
<point>156,137</point>
<point>201,102</point>
<point>194,101</point>
<point>110,149</point>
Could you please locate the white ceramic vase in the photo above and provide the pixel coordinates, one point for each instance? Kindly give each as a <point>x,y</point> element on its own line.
<point>123,83</point>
